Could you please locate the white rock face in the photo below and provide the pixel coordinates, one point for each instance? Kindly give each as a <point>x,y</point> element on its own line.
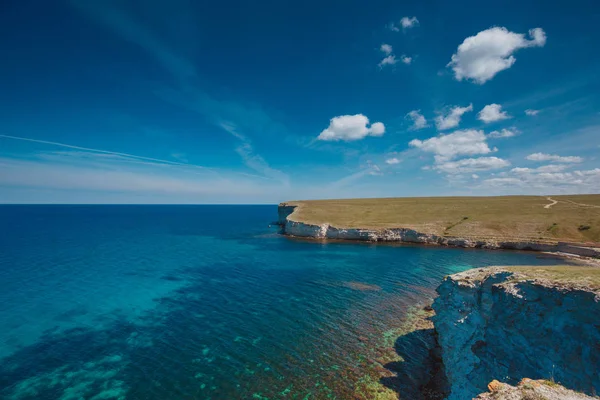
<point>495,324</point>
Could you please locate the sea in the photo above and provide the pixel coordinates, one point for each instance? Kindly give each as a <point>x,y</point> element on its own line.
<point>206,302</point>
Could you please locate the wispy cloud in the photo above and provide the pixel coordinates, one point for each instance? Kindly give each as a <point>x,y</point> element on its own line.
<point>109,176</point>
<point>187,91</point>
<point>253,160</point>
<point>100,151</point>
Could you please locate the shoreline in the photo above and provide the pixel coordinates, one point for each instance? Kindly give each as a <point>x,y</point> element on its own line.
<point>485,323</point>
<point>324,232</point>
<point>571,258</point>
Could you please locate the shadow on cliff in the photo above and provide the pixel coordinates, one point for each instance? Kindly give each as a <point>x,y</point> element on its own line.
<point>421,374</point>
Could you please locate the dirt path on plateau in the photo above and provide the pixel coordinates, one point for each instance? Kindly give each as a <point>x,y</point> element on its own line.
<point>551,204</point>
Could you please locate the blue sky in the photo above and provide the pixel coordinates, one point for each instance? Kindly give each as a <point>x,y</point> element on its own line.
<point>260,102</point>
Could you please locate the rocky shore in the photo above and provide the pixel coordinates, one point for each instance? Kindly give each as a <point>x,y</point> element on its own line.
<point>502,332</point>
<point>529,389</point>
<point>510,323</point>
<point>292,227</point>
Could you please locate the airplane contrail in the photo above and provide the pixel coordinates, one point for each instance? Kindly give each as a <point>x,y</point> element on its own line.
<point>70,146</point>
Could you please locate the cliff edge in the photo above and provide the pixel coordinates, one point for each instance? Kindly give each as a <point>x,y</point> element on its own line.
<point>511,323</point>
<point>509,222</point>
<point>530,390</point>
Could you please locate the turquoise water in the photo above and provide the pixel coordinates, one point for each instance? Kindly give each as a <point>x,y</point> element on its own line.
<point>199,302</point>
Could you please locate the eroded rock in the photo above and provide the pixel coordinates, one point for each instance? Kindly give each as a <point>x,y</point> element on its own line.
<point>497,323</point>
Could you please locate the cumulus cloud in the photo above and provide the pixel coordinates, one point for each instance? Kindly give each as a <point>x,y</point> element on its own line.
<point>386,48</point>
<point>492,113</point>
<point>531,112</point>
<point>554,158</point>
<point>479,58</point>
<point>392,161</point>
<point>389,60</point>
<point>419,121</point>
<point>469,165</point>
<point>409,22</point>
<point>452,117</point>
<point>351,127</point>
<point>591,172</point>
<point>550,177</point>
<point>503,133</point>
<point>446,147</point>
<point>405,23</point>
<point>543,168</point>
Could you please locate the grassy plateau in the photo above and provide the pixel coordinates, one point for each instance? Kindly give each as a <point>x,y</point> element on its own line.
<point>570,218</point>
<point>585,276</point>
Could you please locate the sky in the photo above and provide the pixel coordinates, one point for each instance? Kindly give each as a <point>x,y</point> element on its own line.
<point>181,101</point>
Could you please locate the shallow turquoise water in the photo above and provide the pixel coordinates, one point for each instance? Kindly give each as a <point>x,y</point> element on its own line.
<point>205,302</point>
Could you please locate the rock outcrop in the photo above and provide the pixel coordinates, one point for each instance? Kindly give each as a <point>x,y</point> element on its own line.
<point>504,323</point>
<point>530,390</point>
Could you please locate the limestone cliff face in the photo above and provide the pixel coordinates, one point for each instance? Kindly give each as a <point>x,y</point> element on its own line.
<point>496,324</point>
<point>284,211</point>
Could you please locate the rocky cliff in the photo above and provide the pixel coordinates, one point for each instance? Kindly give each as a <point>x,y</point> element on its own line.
<point>530,390</point>
<point>292,227</point>
<point>513,323</point>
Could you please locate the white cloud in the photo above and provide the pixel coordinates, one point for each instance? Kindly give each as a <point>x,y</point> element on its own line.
<point>503,133</point>
<point>469,165</point>
<point>452,118</point>
<point>492,113</point>
<point>446,147</point>
<point>553,157</point>
<point>409,22</point>
<point>389,60</point>
<point>475,176</point>
<point>392,161</point>
<point>503,182</point>
<point>386,48</point>
<point>551,168</point>
<point>405,59</point>
<point>549,178</point>
<point>531,112</point>
<point>351,127</point>
<point>419,121</point>
<point>544,168</point>
<point>592,172</point>
<point>479,58</point>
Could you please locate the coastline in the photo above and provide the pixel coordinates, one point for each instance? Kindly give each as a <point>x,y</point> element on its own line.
<point>486,323</point>
<point>295,228</point>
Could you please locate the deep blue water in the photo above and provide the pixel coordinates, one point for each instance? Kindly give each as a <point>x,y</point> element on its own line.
<point>204,302</point>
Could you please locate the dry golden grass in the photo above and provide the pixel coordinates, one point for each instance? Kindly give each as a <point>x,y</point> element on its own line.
<point>585,276</point>
<point>574,218</point>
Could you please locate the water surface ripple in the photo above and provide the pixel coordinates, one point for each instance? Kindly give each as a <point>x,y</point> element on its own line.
<point>199,302</point>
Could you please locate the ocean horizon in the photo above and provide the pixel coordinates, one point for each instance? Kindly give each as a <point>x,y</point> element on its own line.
<point>205,302</point>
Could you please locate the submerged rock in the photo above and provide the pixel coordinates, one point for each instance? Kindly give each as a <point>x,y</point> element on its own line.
<point>518,322</point>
